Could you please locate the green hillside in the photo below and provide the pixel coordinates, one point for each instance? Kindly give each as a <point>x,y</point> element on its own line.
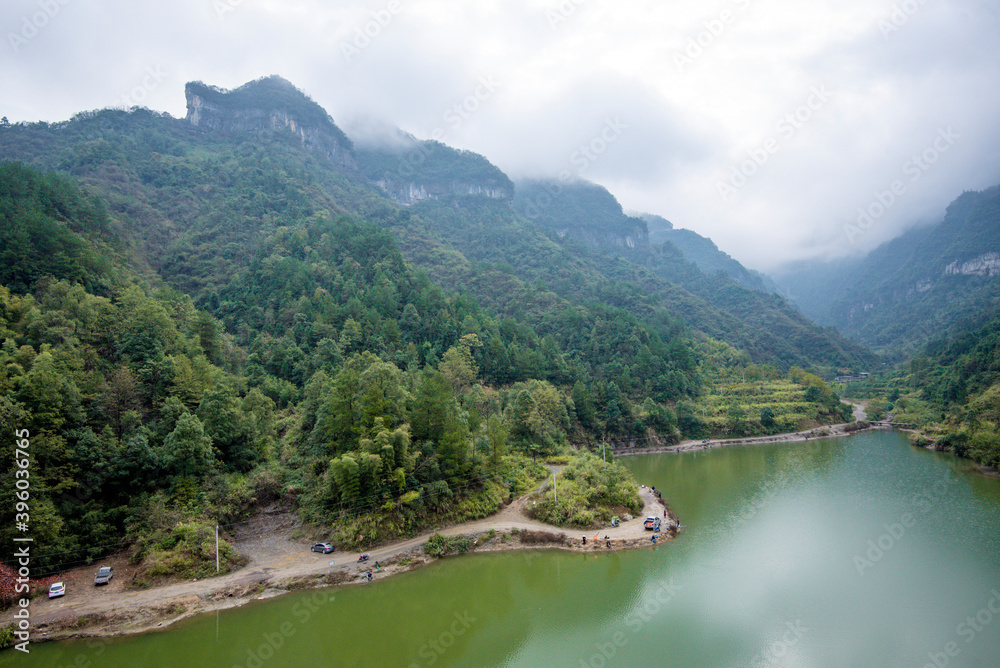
<point>705,254</point>
<point>196,323</point>
<point>911,289</point>
<point>589,222</point>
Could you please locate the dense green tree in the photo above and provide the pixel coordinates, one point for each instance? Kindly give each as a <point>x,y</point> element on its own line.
<point>225,423</point>
<point>457,364</point>
<point>583,403</point>
<point>432,402</point>
<point>187,450</point>
<point>767,417</point>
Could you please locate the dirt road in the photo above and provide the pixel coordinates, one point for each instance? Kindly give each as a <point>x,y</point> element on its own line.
<point>828,431</point>
<point>275,560</point>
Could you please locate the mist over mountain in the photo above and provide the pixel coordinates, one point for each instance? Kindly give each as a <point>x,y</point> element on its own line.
<point>270,103</point>
<point>245,306</point>
<point>915,287</point>
<point>704,253</point>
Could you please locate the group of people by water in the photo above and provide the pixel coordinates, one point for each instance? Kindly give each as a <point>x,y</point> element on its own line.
<point>607,539</point>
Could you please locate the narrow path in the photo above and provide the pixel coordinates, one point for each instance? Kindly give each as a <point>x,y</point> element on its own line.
<point>293,559</point>
<point>705,444</point>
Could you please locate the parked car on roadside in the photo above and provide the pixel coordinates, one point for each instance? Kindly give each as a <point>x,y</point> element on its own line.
<point>324,548</point>
<point>57,589</point>
<point>104,575</point>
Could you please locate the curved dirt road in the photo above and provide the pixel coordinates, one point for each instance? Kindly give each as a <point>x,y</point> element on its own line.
<point>289,560</point>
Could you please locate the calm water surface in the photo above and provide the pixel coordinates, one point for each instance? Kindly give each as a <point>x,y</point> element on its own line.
<point>849,552</point>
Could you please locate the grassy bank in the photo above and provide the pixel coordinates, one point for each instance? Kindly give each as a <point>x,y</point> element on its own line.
<point>586,493</point>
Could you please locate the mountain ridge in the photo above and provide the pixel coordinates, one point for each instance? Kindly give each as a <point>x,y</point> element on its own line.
<point>922,282</point>
<point>244,128</point>
<point>266,104</point>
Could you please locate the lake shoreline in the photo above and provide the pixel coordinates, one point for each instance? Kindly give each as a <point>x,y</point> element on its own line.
<point>142,611</point>
<point>831,431</point>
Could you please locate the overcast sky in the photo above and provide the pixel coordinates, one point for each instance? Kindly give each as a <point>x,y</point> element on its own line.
<point>763,124</point>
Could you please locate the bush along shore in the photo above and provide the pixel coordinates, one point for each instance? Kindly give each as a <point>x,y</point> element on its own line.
<point>284,563</point>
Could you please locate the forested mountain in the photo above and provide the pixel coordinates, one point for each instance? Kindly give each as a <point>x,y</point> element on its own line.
<point>912,288</point>
<point>960,377</point>
<point>930,299</point>
<point>705,254</point>
<point>200,316</point>
<point>587,219</point>
<point>420,170</point>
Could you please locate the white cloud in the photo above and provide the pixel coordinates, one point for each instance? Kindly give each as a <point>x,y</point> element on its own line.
<point>701,87</point>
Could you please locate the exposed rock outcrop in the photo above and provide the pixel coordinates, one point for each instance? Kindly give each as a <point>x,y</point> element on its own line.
<point>428,170</point>
<point>987,264</point>
<point>632,238</point>
<point>411,192</point>
<point>270,104</point>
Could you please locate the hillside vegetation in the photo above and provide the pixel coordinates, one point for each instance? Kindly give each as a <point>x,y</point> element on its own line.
<point>197,325</point>
<point>912,289</point>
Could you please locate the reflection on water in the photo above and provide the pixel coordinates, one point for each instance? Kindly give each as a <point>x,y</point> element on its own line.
<point>848,552</point>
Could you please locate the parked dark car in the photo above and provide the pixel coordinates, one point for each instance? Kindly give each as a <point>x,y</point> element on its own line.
<point>104,575</point>
<point>324,548</point>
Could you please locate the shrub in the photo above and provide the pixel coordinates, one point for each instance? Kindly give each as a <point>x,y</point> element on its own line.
<point>587,493</point>
<point>542,537</point>
<point>186,550</point>
<point>440,546</point>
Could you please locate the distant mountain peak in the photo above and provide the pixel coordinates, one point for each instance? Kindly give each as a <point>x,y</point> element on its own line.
<point>268,104</point>
<point>582,210</point>
<point>411,171</point>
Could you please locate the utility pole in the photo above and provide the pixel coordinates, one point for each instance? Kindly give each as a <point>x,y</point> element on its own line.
<point>216,548</point>
<point>555,491</point>
<point>604,451</point>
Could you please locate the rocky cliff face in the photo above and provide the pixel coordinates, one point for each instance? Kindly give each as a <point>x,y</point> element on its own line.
<point>428,170</point>
<point>268,105</point>
<point>582,211</point>
<point>411,192</point>
<point>987,264</point>
<point>635,237</point>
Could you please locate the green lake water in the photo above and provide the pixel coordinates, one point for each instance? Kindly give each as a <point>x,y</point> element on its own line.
<point>850,552</point>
